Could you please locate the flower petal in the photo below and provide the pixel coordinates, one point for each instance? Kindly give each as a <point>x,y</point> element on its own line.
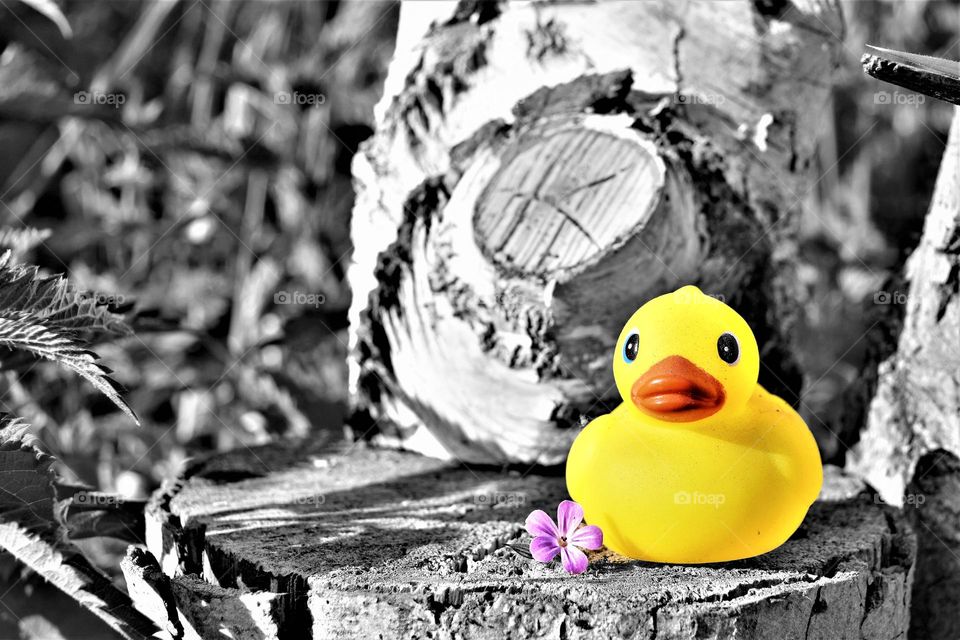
<point>569,517</point>
<point>588,537</point>
<point>544,548</point>
<point>574,560</point>
<point>540,524</point>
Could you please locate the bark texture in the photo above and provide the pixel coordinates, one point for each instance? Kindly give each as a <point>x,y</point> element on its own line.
<point>911,442</point>
<point>185,606</point>
<point>538,171</point>
<point>361,543</point>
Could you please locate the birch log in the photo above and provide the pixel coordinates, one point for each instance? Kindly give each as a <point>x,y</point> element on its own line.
<point>910,446</point>
<point>538,171</point>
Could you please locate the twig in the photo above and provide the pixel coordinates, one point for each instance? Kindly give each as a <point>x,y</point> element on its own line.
<point>935,77</point>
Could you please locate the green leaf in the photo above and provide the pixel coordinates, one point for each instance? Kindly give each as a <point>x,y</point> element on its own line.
<point>47,318</point>
<point>31,529</point>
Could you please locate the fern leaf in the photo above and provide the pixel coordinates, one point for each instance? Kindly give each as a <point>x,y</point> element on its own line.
<point>48,319</point>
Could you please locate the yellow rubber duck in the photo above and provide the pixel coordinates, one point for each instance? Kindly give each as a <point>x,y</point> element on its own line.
<point>699,463</point>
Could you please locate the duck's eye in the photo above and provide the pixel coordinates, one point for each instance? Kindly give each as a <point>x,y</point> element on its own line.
<point>631,346</point>
<point>728,348</point>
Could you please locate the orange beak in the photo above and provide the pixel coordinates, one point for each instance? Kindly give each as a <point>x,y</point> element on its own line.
<point>676,390</point>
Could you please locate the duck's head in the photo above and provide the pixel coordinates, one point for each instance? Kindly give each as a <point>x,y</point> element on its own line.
<point>685,356</point>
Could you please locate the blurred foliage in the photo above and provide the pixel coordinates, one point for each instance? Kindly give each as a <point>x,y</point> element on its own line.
<point>188,164</point>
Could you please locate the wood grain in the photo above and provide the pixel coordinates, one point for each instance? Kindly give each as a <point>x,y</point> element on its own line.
<point>562,198</point>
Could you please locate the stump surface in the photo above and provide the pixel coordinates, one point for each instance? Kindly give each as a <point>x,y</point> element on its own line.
<point>364,543</point>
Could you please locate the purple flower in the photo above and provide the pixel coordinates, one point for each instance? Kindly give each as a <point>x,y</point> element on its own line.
<point>549,539</point>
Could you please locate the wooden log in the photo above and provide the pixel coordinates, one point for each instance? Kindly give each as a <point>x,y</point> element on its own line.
<point>539,170</point>
<point>371,543</point>
<point>910,445</point>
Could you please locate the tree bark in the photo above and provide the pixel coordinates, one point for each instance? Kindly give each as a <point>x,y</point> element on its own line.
<point>539,170</point>
<point>361,543</point>
<point>188,607</point>
<point>910,446</point>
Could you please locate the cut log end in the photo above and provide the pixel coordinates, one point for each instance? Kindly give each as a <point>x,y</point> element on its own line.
<point>562,198</point>
<point>366,542</point>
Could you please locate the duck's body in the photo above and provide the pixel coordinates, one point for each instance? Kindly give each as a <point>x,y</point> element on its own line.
<point>665,492</point>
<point>677,475</point>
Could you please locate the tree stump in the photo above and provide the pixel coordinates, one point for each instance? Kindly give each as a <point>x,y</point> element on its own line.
<point>352,542</point>
<point>910,446</point>
<point>538,171</point>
